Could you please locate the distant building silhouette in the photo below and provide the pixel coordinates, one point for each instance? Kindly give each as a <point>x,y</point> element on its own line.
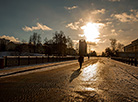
<point>82,47</point>
<point>3,40</point>
<point>11,46</point>
<point>130,51</point>
<point>133,47</point>
<point>3,44</point>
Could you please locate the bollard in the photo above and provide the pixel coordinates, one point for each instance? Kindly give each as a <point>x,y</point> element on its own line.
<point>1,62</point>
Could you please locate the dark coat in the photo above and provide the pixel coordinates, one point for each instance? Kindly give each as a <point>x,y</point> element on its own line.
<point>81,59</point>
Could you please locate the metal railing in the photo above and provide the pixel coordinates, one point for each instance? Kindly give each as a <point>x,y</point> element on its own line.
<point>128,60</point>
<point>28,60</point>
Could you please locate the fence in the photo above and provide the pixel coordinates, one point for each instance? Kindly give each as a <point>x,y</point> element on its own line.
<point>28,60</point>
<point>128,60</point>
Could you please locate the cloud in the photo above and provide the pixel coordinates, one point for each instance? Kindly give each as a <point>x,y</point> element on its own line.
<point>102,11</point>
<point>121,30</point>
<point>71,8</point>
<point>135,12</point>
<point>114,0</point>
<point>11,38</point>
<point>37,27</point>
<point>91,43</point>
<point>113,30</point>
<point>124,17</point>
<point>81,35</point>
<point>75,41</point>
<point>75,25</point>
<point>108,23</point>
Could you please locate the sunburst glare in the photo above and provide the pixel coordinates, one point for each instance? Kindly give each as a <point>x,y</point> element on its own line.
<point>91,31</point>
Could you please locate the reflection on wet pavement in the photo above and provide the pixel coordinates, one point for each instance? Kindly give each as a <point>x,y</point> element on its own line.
<point>89,76</point>
<point>90,89</point>
<point>85,82</point>
<point>89,73</point>
<point>86,79</point>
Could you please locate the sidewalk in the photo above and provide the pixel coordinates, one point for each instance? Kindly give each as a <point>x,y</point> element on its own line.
<point>19,70</point>
<point>130,69</point>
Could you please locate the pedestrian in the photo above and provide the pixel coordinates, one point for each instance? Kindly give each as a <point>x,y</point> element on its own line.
<point>88,57</point>
<point>80,60</point>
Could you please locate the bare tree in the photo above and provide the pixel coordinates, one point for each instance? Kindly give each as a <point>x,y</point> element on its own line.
<point>35,41</point>
<point>113,44</point>
<point>60,41</point>
<point>120,47</point>
<point>34,38</point>
<point>108,52</point>
<point>39,39</point>
<point>103,54</point>
<point>31,39</point>
<point>45,41</point>
<point>59,38</point>
<point>69,42</point>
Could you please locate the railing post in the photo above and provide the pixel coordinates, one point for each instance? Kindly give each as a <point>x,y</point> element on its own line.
<point>28,60</point>
<point>1,62</point>
<point>5,58</point>
<point>135,61</point>
<point>48,58</point>
<point>18,60</point>
<point>36,59</point>
<point>128,60</point>
<point>42,59</point>
<point>131,61</point>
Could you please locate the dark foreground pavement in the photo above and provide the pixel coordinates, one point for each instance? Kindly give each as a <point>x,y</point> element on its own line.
<point>100,80</point>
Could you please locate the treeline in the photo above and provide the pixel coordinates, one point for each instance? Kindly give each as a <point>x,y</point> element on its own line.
<point>60,44</point>
<point>114,48</point>
<point>93,53</point>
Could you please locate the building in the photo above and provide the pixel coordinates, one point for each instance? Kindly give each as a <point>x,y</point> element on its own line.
<point>3,44</point>
<point>4,41</point>
<point>133,47</point>
<point>130,51</point>
<point>82,47</point>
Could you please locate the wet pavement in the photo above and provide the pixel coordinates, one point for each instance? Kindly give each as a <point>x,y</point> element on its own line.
<point>99,80</point>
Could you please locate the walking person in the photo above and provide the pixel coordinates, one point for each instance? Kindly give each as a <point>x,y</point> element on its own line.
<point>80,60</point>
<point>88,57</point>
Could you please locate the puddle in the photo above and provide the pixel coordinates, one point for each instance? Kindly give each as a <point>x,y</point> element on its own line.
<point>89,73</point>
<point>90,89</point>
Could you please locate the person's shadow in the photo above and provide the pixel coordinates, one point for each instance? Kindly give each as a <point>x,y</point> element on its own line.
<point>75,74</point>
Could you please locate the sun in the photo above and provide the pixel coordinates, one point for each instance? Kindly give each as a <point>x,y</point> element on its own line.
<point>91,31</point>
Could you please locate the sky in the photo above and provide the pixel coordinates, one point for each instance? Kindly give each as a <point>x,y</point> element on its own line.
<point>96,21</point>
